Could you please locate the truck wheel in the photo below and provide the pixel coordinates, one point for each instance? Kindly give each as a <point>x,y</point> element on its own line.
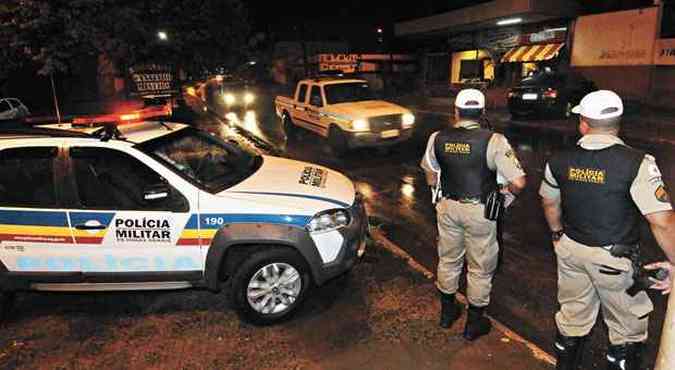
<point>338,141</point>
<point>269,286</point>
<point>289,128</point>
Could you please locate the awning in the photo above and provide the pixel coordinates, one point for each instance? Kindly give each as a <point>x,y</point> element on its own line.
<point>532,53</point>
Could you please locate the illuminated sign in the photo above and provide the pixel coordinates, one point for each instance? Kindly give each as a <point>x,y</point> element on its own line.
<point>623,38</point>
<point>664,52</point>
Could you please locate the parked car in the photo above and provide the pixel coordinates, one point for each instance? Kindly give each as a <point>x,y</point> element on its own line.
<point>345,111</point>
<point>548,94</point>
<point>12,108</point>
<point>155,205</point>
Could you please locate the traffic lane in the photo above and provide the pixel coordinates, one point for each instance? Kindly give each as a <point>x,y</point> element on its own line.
<point>525,289</point>
<point>383,315</point>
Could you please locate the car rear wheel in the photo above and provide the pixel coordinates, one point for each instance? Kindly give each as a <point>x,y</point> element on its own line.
<point>270,285</point>
<point>338,141</point>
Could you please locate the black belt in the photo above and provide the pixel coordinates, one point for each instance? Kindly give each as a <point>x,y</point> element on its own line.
<point>466,200</point>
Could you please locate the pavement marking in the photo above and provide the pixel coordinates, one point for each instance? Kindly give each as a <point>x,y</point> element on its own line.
<point>390,246</point>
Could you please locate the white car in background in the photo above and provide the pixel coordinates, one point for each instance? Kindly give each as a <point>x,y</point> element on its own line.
<point>12,108</point>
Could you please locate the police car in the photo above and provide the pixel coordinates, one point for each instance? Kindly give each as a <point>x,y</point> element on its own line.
<point>154,205</point>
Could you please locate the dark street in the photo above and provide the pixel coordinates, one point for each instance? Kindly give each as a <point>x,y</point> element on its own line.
<point>232,184</point>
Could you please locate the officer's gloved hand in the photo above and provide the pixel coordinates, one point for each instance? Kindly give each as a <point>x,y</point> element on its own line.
<point>664,285</point>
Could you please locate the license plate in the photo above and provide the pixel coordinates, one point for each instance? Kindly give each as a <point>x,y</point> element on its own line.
<point>529,96</point>
<point>389,133</point>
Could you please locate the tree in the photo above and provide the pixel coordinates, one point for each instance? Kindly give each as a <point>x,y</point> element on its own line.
<point>56,34</point>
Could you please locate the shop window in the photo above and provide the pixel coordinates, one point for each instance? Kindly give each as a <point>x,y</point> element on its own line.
<point>471,70</point>
<point>529,69</point>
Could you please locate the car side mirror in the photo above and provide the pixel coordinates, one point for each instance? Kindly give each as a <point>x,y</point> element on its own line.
<point>157,192</point>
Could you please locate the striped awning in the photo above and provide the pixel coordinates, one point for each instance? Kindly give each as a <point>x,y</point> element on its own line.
<point>532,53</point>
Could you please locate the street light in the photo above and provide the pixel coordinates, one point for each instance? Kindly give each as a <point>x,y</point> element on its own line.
<point>508,21</point>
<point>162,36</point>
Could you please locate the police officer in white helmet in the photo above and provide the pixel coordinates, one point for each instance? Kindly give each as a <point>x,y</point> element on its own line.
<point>462,163</point>
<point>593,197</point>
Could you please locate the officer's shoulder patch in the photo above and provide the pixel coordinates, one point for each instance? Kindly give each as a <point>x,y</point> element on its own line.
<point>661,194</point>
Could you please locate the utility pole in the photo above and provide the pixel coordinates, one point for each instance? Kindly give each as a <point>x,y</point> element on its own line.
<point>56,100</point>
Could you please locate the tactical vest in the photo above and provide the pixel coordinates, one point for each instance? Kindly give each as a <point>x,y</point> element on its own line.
<point>595,192</point>
<point>462,155</point>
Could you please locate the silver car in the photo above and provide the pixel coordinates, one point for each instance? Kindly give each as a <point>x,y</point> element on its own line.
<point>12,108</point>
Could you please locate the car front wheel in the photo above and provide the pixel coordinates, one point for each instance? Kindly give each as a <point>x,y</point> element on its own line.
<point>270,285</point>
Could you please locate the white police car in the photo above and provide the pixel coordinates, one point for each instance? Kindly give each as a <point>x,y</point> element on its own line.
<point>153,205</point>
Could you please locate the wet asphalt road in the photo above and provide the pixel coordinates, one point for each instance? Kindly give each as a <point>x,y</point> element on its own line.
<point>524,293</point>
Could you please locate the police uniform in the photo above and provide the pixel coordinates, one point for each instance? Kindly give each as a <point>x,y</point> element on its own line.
<point>468,159</point>
<point>602,186</point>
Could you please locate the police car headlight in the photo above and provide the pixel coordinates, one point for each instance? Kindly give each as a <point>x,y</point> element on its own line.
<point>328,221</point>
<point>360,125</point>
<point>408,120</point>
<point>229,99</point>
<point>249,98</point>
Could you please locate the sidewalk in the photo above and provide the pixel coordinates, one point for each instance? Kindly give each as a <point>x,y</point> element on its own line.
<point>647,125</point>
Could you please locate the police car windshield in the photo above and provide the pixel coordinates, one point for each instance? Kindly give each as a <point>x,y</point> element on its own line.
<point>204,160</point>
<point>347,92</point>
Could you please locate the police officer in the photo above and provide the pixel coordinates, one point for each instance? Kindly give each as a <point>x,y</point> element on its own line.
<point>589,195</point>
<point>464,160</point>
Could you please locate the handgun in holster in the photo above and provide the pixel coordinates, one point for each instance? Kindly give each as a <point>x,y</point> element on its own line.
<point>632,252</point>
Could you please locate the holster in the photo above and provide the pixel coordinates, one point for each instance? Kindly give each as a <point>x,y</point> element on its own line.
<point>494,205</point>
<point>632,252</point>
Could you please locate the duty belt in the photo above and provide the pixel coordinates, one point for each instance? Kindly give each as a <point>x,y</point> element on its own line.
<point>466,200</point>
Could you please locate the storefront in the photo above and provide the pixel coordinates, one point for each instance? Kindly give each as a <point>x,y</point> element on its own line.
<point>493,45</point>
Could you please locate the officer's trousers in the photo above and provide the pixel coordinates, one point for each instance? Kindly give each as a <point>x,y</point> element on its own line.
<point>464,231</point>
<point>590,278</point>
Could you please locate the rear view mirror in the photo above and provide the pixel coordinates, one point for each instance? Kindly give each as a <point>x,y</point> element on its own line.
<point>156,192</point>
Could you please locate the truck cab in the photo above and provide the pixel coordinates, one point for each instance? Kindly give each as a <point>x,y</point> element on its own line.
<point>346,112</point>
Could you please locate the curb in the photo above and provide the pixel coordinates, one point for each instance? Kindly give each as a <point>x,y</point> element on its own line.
<point>384,242</point>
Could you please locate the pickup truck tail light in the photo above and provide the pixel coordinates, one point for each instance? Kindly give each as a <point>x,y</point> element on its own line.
<point>550,93</point>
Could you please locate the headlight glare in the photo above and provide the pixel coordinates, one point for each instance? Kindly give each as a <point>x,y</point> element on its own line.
<point>249,98</point>
<point>229,99</point>
<point>360,125</point>
<point>328,221</point>
<point>408,119</point>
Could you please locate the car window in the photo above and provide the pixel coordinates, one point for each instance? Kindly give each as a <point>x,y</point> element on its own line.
<point>347,92</point>
<point>315,97</point>
<point>110,179</point>
<point>28,177</point>
<point>204,160</point>
<point>302,93</point>
<point>4,106</point>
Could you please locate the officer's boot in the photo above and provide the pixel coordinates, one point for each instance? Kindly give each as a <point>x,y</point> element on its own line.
<point>625,356</point>
<point>569,351</point>
<point>450,310</point>
<point>477,324</point>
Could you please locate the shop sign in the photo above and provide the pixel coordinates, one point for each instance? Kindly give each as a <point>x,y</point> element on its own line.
<point>616,39</point>
<point>664,52</point>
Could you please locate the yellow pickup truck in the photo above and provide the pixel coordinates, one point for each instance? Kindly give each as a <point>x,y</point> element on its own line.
<point>344,111</point>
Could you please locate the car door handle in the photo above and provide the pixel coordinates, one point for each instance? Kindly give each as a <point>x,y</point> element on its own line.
<point>90,227</point>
